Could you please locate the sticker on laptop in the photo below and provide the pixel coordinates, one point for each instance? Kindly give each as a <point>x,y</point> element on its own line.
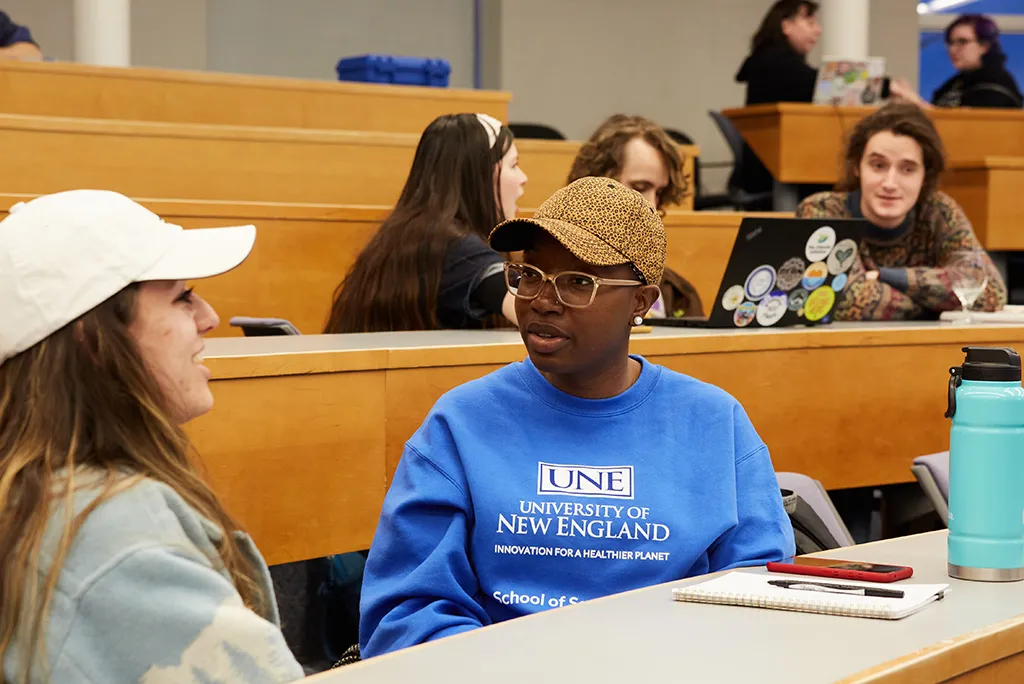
<point>797,298</point>
<point>760,282</point>
<point>819,303</point>
<point>732,298</point>
<point>790,274</point>
<point>820,244</point>
<point>839,282</point>
<point>772,308</point>
<point>744,314</point>
<point>815,276</point>
<point>842,257</point>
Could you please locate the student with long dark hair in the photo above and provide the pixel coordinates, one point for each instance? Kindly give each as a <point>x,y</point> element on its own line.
<point>428,266</point>
<point>777,71</point>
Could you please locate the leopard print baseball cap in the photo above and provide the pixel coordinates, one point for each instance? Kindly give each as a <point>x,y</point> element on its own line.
<point>600,221</point>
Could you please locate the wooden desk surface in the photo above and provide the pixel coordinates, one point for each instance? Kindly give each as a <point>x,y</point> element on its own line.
<point>803,143</point>
<point>989,190</point>
<point>303,251</point>
<point>319,422</point>
<point>236,163</point>
<point>138,94</point>
<point>975,634</point>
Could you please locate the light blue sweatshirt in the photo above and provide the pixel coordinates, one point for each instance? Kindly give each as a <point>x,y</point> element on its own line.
<point>514,497</point>
<point>143,597</point>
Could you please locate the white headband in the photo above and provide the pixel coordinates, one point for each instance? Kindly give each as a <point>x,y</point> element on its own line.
<point>492,126</point>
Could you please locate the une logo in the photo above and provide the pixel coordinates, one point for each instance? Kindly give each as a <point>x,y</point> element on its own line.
<point>579,480</point>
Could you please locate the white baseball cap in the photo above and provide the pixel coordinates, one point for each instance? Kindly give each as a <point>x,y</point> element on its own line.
<point>61,255</point>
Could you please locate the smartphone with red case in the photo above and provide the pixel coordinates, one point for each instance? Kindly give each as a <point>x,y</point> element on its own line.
<point>842,569</point>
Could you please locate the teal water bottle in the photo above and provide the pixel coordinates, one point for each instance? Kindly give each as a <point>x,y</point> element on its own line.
<point>986,467</point>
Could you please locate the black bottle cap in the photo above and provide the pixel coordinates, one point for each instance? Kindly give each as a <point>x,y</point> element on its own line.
<point>991,364</point>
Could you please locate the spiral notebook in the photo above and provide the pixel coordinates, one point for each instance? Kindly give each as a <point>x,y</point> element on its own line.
<point>752,590</point>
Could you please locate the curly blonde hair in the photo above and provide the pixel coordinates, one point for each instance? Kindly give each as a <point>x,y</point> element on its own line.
<point>603,154</point>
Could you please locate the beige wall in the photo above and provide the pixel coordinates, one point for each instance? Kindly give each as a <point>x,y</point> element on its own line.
<point>51,22</point>
<point>307,37</point>
<point>671,61</point>
<point>164,34</point>
<point>170,35</point>
<point>569,63</point>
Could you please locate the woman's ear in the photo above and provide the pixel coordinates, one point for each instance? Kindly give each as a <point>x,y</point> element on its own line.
<point>645,298</point>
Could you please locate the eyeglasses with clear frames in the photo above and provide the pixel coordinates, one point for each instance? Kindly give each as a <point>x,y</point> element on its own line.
<point>572,288</point>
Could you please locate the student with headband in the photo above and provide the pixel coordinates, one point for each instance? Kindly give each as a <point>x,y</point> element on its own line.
<point>429,266</point>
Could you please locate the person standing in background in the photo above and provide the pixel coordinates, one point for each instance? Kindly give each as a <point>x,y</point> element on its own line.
<point>16,41</point>
<point>981,79</point>
<point>777,71</point>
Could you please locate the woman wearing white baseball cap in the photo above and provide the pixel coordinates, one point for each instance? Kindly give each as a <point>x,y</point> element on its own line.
<point>117,561</point>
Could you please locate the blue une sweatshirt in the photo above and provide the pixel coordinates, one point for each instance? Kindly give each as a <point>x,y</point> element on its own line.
<point>514,497</point>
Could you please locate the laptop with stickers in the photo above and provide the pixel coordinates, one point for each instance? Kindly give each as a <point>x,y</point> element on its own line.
<point>782,272</point>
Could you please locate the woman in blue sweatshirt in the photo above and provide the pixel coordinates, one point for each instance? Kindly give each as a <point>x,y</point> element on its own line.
<point>579,472</point>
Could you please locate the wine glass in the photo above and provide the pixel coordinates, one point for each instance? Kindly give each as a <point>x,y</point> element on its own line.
<point>968,277</point>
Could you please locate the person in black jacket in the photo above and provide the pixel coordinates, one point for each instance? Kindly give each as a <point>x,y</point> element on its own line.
<point>16,41</point>
<point>777,71</point>
<point>981,79</point>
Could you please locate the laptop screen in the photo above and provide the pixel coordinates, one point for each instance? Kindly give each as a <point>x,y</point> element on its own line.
<point>786,271</point>
<point>850,82</point>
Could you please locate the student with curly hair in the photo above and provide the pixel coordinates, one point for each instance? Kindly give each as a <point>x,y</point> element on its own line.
<point>890,177</point>
<point>639,154</point>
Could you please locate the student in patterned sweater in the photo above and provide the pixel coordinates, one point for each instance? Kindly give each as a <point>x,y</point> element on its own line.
<point>890,177</point>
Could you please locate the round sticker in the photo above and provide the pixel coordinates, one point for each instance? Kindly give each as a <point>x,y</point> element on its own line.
<point>790,273</point>
<point>772,308</point>
<point>796,300</point>
<point>759,282</point>
<point>819,303</point>
<point>841,258</point>
<point>820,244</point>
<point>732,298</point>
<point>839,282</point>
<point>815,275</point>
<point>744,314</point>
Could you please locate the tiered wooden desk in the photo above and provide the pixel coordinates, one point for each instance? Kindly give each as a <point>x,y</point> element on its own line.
<point>307,430</point>
<point>79,90</point>
<point>209,162</point>
<point>803,143</point>
<point>991,191</point>
<point>303,251</point>
<point>974,635</point>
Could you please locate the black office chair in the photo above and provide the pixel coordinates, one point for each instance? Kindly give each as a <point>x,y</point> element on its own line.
<point>534,131</point>
<point>738,197</point>
<point>700,202</point>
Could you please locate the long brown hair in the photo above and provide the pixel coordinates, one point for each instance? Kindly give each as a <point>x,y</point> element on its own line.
<point>603,154</point>
<point>82,402</point>
<point>451,190</point>
<point>769,33</point>
<point>898,119</point>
